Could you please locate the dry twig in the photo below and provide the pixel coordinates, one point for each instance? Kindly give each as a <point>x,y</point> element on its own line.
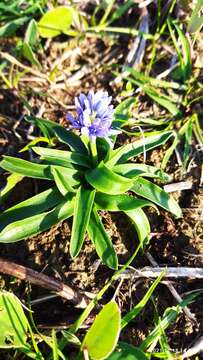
<point>24,273</point>
<point>173,290</point>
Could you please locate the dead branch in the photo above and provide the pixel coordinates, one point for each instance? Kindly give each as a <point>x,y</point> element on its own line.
<point>34,277</point>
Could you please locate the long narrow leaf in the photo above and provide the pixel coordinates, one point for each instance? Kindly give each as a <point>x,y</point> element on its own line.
<point>61,181</point>
<point>32,206</point>
<point>102,242</point>
<point>134,170</point>
<point>157,195</point>
<point>66,157</point>
<point>11,181</point>
<point>64,135</point>
<point>71,139</point>
<point>119,202</point>
<point>157,83</point>
<point>38,171</point>
<point>162,99</point>
<point>141,224</point>
<point>82,210</point>
<point>107,181</point>
<point>186,52</point>
<point>36,224</point>
<point>126,152</point>
<point>25,168</point>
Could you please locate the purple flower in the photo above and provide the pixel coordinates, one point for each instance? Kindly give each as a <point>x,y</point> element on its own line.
<point>94,115</point>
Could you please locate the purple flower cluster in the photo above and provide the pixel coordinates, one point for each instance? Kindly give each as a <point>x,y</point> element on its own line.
<point>94,115</point>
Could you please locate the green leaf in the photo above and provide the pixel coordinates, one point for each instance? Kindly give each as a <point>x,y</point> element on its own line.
<point>71,139</point>
<point>65,158</point>
<point>13,322</point>
<point>196,21</point>
<point>82,210</point>
<point>34,142</point>
<point>101,240</point>
<point>163,100</point>
<point>32,206</point>
<point>36,224</point>
<point>29,54</point>
<point>103,335</point>
<point>61,181</point>
<point>10,27</point>
<point>120,11</point>
<point>51,128</point>
<point>126,152</point>
<point>169,317</point>
<point>103,148</point>
<point>55,22</point>
<point>139,307</point>
<point>157,83</point>
<point>11,181</point>
<point>105,180</point>
<point>158,96</point>
<point>141,224</point>
<point>38,171</point>
<point>133,170</point>
<point>54,346</point>
<point>25,168</point>
<point>119,202</point>
<point>188,143</point>
<point>126,351</point>
<point>122,112</point>
<point>47,127</point>
<point>186,61</point>
<point>31,33</point>
<point>154,193</point>
<point>177,138</point>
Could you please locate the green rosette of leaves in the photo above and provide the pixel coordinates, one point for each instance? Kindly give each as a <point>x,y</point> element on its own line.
<point>87,174</point>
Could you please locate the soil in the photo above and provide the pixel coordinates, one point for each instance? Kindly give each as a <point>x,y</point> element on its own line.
<point>173,242</point>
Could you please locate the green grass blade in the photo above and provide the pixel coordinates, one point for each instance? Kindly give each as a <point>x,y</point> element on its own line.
<point>196,21</point>
<point>120,11</point>
<point>139,307</point>
<point>186,53</point>
<point>169,317</point>
<point>54,346</point>
<point>156,83</point>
